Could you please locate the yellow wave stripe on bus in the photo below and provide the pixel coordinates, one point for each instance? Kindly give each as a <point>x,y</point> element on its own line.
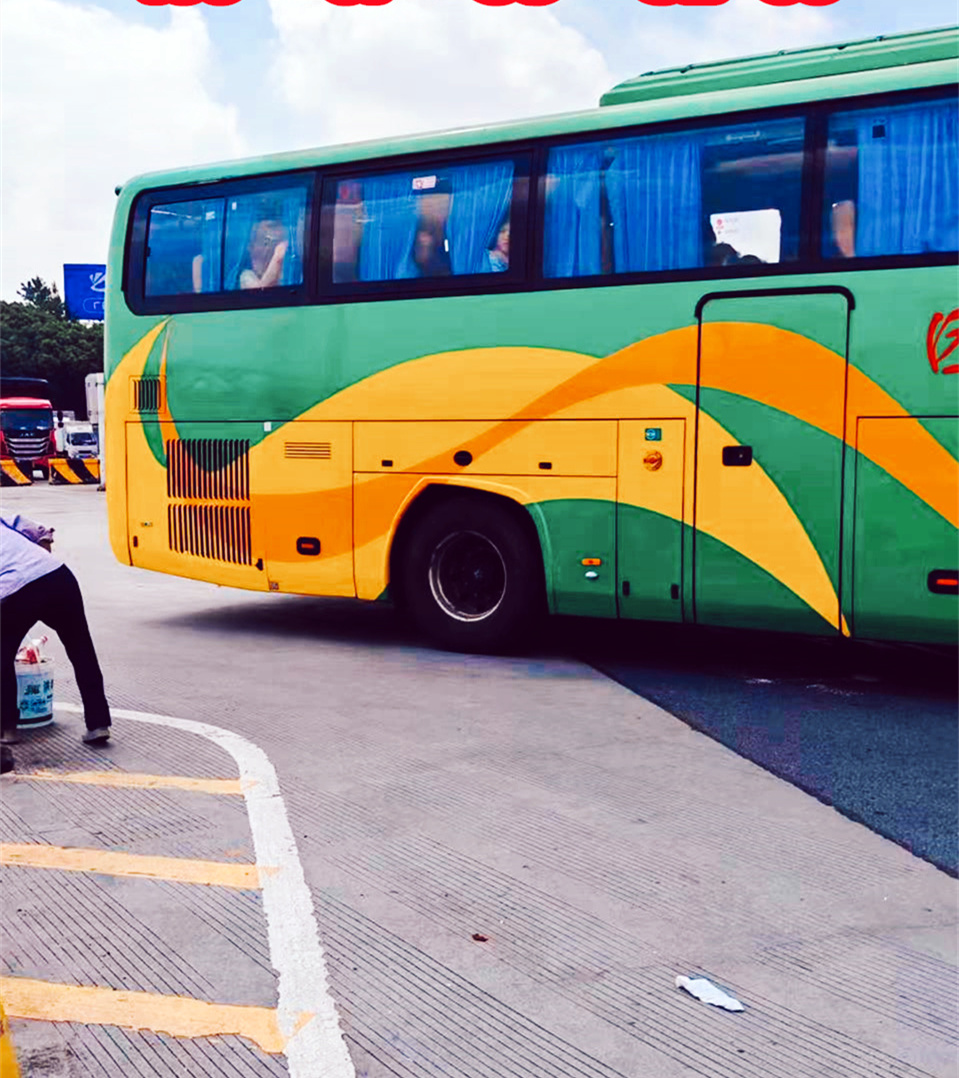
<point>494,381</point>
<point>782,547</point>
<point>522,383</point>
<point>523,375</point>
<point>117,406</point>
<point>793,384</point>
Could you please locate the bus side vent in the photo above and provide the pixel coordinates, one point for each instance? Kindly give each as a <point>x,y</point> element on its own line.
<point>220,532</point>
<point>147,394</point>
<point>208,469</point>
<point>308,450</point>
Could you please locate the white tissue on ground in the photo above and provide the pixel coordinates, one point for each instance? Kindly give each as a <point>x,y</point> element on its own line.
<point>709,993</point>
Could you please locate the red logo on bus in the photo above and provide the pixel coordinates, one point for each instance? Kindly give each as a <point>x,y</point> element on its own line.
<point>942,341</point>
<point>191,3</point>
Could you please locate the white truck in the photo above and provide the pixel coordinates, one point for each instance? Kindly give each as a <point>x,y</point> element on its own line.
<point>77,440</point>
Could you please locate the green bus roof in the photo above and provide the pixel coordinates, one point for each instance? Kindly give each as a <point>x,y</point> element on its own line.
<point>788,65</point>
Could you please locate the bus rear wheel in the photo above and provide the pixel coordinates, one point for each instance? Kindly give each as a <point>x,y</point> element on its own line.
<point>471,578</point>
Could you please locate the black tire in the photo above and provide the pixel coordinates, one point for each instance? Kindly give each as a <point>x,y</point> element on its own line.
<point>471,578</point>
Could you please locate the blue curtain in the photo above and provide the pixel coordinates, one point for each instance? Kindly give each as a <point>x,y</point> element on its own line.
<point>655,203</point>
<point>241,217</point>
<point>479,204</point>
<point>573,238</point>
<point>294,219</point>
<point>212,245</point>
<point>908,180</point>
<point>386,246</point>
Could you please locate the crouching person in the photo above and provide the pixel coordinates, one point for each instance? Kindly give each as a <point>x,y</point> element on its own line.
<point>35,585</point>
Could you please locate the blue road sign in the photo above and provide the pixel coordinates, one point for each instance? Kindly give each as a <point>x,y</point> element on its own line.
<point>84,289</point>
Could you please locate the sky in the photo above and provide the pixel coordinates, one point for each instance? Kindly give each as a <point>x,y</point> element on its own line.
<point>93,92</point>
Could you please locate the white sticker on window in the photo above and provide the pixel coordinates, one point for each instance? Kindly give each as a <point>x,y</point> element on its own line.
<point>750,232</point>
<point>424,183</point>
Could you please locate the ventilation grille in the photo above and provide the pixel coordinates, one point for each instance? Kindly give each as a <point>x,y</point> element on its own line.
<point>220,532</point>
<point>208,469</point>
<point>202,475</point>
<point>308,450</point>
<point>147,394</point>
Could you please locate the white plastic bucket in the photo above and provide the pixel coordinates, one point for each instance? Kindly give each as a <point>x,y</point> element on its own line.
<point>35,693</point>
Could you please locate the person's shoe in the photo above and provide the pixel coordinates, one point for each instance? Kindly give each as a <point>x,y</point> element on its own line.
<point>6,760</point>
<point>10,737</point>
<point>99,736</point>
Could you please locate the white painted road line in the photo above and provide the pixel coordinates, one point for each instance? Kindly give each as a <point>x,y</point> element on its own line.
<point>315,1048</point>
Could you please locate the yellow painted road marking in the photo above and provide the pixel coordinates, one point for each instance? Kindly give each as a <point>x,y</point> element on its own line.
<point>136,781</point>
<point>111,863</point>
<point>175,1016</point>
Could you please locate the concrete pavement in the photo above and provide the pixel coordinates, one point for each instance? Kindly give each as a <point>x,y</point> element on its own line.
<point>598,846</point>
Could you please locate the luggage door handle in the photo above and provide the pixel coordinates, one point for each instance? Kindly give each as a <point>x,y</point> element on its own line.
<point>737,456</point>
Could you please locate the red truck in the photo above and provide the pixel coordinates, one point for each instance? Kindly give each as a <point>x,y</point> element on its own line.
<point>26,424</point>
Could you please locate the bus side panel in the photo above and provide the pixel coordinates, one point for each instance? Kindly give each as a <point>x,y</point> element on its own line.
<point>650,492</point>
<point>301,478</point>
<point>899,541</point>
<point>902,486</point>
<point>574,530</point>
<point>769,475</point>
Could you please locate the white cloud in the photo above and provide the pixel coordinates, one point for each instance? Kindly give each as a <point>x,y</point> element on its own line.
<point>737,28</point>
<point>362,72</point>
<point>90,99</point>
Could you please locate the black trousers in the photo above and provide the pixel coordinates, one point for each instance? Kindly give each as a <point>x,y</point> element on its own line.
<point>54,599</point>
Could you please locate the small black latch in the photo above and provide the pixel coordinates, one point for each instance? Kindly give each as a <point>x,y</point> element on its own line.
<point>737,456</point>
<point>259,564</point>
<point>309,545</point>
<point>386,464</point>
<point>674,591</point>
<point>136,541</point>
<point>626,588</point>
<point>546,465</point>
<point>463,457</point>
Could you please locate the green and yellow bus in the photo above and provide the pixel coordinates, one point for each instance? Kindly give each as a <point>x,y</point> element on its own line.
<point>690,356</point>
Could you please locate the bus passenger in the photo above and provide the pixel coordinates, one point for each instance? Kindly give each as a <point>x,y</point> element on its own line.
<point>429,253</point>
<point>269,241</point>
<point>844,227</point>
<point>498,257</point>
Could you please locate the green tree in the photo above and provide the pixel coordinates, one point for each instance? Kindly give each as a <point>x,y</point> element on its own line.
<point>44,297</point>
<point>38,340</point>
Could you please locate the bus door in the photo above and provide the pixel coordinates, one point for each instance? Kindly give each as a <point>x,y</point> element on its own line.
<point>769,459</point>
<point>649,518</point>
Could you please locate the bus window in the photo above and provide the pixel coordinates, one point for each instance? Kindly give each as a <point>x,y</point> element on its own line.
<point>682,200</point>
<point>892,186</point>
<point>265,236</point>
<point>183,248</point>
<point>430,222</point>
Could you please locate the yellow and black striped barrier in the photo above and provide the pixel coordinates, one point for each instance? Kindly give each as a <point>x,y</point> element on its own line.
<point>13,474</point>
<point>74,470</point>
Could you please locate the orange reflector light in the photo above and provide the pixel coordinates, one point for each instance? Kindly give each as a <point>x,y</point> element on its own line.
<point>944,582</point>
<point>592,561</point>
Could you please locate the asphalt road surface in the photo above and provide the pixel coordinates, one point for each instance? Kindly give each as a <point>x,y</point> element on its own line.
<point>870,729</point>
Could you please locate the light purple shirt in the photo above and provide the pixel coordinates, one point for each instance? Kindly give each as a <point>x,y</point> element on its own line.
<point>21,560</point>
